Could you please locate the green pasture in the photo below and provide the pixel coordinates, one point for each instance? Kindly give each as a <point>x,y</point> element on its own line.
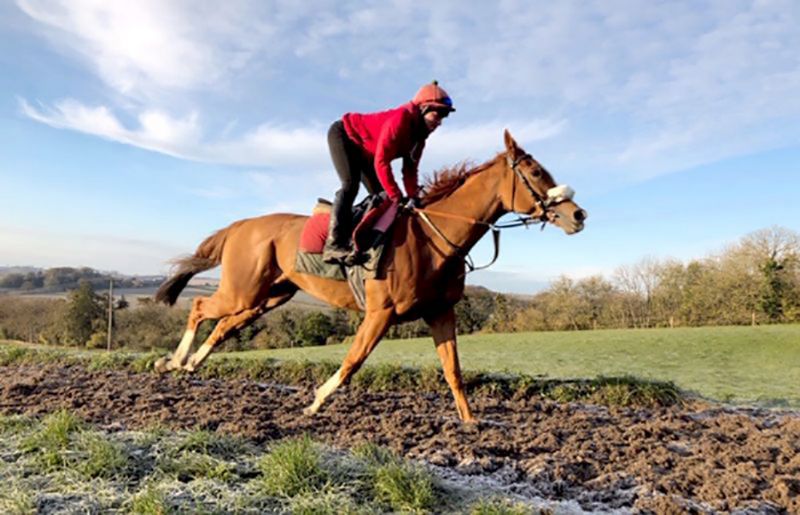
<point>743,365</point>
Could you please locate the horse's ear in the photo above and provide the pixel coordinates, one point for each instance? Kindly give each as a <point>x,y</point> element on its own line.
<point>511,145</point>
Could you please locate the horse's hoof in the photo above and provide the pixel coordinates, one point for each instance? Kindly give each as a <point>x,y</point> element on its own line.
<point>160,366</point>
<point>309,411</point>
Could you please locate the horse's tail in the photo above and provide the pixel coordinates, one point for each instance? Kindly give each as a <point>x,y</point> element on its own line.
<point>207,256</point>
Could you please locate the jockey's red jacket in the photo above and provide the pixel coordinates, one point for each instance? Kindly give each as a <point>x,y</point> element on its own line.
<point>388,135</point>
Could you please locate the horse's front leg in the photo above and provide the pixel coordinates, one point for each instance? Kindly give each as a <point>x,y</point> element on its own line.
<point>369,333</point>
<point>443,327</point>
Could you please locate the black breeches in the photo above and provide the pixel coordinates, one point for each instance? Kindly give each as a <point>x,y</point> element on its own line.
<point>351,165</point>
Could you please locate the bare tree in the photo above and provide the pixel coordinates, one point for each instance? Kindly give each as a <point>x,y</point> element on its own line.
<point>766,264</point>
<point>640,281</point>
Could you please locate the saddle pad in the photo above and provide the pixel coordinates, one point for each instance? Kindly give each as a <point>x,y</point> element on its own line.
<point>311,263</point>
<point>312,239</point>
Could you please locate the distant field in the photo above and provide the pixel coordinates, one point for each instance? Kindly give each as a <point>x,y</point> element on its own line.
<point>202,286</point>
<point>759,365</point>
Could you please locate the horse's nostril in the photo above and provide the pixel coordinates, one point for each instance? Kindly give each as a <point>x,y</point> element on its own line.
<point>580,215</point>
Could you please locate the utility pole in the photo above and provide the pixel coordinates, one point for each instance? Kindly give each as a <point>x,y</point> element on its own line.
<point>110,312</point>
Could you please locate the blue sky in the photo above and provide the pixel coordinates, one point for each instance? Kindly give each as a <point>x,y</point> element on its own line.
<point>131,130</point>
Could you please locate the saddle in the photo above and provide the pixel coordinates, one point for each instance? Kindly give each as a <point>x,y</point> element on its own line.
<point>372,219</point>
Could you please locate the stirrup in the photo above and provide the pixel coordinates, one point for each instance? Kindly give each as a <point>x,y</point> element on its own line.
<point>354,258</point>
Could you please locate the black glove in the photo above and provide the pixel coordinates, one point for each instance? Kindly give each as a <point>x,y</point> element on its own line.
<point>409,203</point>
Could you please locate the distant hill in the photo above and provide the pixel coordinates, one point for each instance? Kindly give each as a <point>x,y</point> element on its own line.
<point>58,282</point>
<point>200,280</point>
<point>133,288</point>
<point>31,280</point>
<point>5,270</point>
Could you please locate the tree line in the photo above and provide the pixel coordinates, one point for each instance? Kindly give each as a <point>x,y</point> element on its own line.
<point>60,279</point>
<point>81,320</point>
<point>754,281</point>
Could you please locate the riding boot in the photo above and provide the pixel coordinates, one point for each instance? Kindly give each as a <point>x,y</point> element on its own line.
<point>337,244</point>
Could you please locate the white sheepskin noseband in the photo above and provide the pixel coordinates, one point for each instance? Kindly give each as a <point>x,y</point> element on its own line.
<point>560,193</point>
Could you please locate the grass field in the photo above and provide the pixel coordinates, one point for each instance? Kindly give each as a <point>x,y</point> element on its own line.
<point>743,365</point>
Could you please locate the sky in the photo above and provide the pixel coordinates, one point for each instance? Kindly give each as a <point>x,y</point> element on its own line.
<point>132,130</point>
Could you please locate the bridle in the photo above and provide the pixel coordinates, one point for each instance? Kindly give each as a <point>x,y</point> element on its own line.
<point>554,197</point>
<point>541,206</point>
<point>544,208</point>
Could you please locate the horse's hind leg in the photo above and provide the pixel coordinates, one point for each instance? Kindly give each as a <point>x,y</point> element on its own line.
<point>280,293</point>
<point>203,308</point>
<point>224,326</point>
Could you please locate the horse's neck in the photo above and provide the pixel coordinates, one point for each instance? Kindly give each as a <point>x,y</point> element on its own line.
<point>478,198</point>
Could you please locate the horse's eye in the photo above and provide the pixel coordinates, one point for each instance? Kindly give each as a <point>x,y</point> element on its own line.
<point>536,172</point>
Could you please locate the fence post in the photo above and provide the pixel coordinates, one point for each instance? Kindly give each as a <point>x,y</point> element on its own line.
<point>110,312</point>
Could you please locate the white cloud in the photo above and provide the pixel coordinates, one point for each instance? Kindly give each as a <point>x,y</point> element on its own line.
<point>265,145</point>
<point>647,88</point>
<point>140,47</point>
<point>157,130</point>
<point>159,126</point>
<point>671,81</point>
<point>273,146</point>
<point>73,115</point>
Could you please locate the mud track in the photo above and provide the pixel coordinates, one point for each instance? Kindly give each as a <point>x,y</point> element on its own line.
<point>668,460</point>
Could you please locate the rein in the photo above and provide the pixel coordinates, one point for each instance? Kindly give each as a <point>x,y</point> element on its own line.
<point>423,213</point>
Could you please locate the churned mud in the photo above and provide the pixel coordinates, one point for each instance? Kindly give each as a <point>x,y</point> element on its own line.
<point>695,458</point>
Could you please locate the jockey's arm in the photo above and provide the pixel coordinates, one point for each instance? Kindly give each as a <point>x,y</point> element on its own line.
<point>410,177</point>
<point>385,149</point>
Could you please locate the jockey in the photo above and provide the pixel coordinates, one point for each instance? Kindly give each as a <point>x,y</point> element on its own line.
<point>362,148</point>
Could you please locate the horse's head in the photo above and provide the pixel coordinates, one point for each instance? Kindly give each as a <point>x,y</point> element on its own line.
<point>532,191</point>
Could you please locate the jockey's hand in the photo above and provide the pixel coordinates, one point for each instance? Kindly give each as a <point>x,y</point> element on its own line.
<point>409,203</point>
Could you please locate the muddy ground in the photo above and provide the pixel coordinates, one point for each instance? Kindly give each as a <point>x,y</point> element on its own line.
<point>695,458</point>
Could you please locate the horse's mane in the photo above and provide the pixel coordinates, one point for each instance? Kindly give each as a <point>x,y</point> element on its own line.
<point>448,179</point>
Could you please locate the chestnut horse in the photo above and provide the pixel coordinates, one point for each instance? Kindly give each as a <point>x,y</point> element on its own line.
<point>424,265</point>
